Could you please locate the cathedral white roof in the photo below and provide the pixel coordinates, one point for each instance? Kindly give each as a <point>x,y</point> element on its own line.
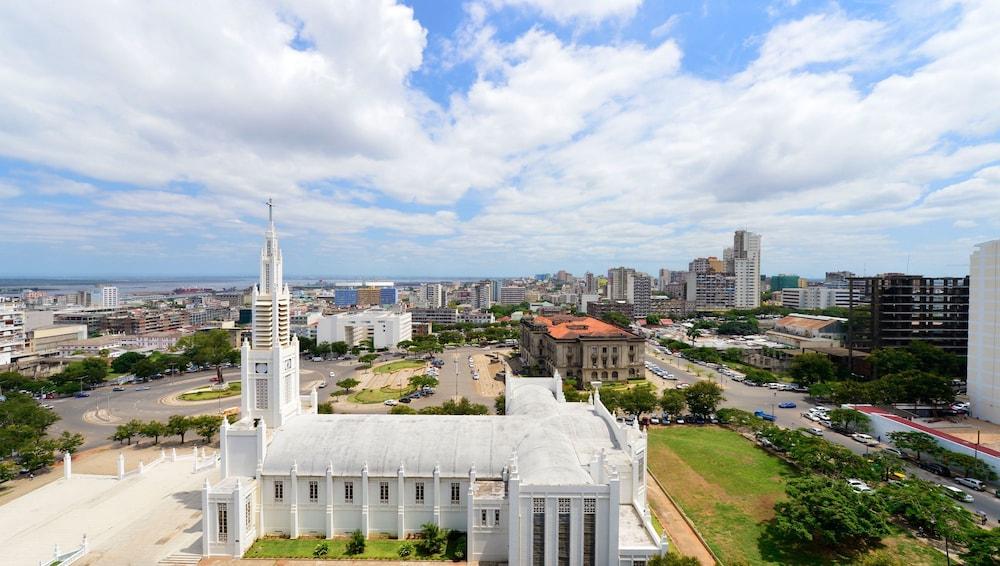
<point>554,441</point>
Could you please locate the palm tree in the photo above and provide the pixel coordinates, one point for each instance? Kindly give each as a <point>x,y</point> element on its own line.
<point>693,333</point>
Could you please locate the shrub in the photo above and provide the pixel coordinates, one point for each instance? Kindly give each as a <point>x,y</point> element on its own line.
<point>405,551</point>
<point>322,549</point>
<point>357,543</point>
<point>434,539</point>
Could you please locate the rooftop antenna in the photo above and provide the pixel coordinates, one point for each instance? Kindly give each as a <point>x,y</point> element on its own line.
<point>907,264</point>
<point>270,210</point>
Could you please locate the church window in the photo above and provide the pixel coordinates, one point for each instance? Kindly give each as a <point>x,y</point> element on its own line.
<point>538,532</point>
<point>482,518</point>
<point>496,517</point>
<point>248,511</point>
<point>260,391</point>
<point>589,531</point>
<point>348,492</point>
<point>313,491</point>
<point>419,492</point>
<point>279,491</point>
<point>563,539</point>
<point>456,493</point>
<point>383,492</point>
<point>222,518</point>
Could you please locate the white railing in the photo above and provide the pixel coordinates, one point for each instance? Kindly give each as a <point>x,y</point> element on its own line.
<point>66,558</point>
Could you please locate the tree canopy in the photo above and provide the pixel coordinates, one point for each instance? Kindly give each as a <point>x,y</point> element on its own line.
<point>828,512</point>
<point>703,397</point>
<point>811,367</point>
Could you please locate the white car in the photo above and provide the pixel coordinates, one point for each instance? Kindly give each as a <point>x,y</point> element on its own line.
<point>971,482</point>
<point>864,439</point>
<point>681,386</point>
<point>858,485</point>
<point>390,402</point>
<point>333,374</point>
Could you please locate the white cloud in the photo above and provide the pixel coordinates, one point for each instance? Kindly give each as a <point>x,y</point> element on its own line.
<point>666,27</point>
<point>8,191</point>
<point>566,11</point>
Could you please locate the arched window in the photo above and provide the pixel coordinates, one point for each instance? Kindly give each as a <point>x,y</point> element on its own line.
<point>614,375</point>
<point>604,375</point>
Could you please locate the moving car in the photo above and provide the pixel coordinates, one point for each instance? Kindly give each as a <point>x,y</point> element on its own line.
<point>81,394</point>
<point>118,388</point>
<point>322,385</point>
<point>955,493</point>
<point>859,486</point>
<point>936,468</point>
<point>143,388</point>
<point>333,375</point>
<point>766,416</point>
<point>864,439</point>
<point>786,405</point>
<point>390,402</point>
<point>815,431</point>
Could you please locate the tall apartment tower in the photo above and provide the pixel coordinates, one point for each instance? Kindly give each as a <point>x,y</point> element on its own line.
<point>984,332</point>
<point>433,294</point>
<point>663,280</point>
<point>482,295</point>
<point>590,284</point>
<point>638,292</point>
<point>109,297</point>
<point>746,268</point>
<point>618,283</point>
<point>12,338</point>
<point>269,372</point>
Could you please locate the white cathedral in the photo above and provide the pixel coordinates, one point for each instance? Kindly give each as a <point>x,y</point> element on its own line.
<point>550,483</point>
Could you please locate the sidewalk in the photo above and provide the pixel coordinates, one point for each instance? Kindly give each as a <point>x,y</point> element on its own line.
<point>683,537</point>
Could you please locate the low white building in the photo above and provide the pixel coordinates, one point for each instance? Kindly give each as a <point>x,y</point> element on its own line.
<point>385,328</point>
<point>807,330</point>
<point>807,298</point>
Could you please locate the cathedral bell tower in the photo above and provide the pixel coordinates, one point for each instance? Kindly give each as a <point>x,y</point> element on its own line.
<point>270,361</point>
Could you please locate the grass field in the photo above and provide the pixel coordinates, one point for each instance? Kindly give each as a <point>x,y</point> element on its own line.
<point>368,396</point>
<point>399,365</point>
<point>728,487</point>
<point>303,548</point>
<point>208,394</point>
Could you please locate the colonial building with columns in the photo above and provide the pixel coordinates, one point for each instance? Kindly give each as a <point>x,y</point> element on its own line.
<point>550,483</point>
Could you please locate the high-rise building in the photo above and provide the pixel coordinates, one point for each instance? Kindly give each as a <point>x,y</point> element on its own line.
<point>345,297</point>
<point>728,257</point>
<point>481,295</point>
<point>12,338</point>
<point>618,283</point>
<point>663,280</point>
<point>109,297</point>
<point>638,291</point>
<point>383,327</point>
<point>814,297</point>
<point>590,283</point>
<point>746,268</point>
<point>270,361</point>
<point>893,309</point>
<point>710,264</point>
<point>782,281</point>
<point>512,295</point>
<point>369,295</point>
<point>433,294</point>
<point>388,296</point>
<point>495,286</point>
<point>984,332</point>
<point>712,291</point>
<point>837,278</point>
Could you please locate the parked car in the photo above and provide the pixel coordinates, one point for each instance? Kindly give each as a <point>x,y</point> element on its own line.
<point>681,386</point>
<point>81,394</point>
<point>766,416</point>
<point>786,405</point>
<point>143,388</point>
<point>864,439</point>
<point>971,482</point>
<point>936,468</point>
<point>403,400</point>
<point>815,431</point>
<point>390,402</point>
<point>671,376</point>
<point>118,388</point>
<point>895,452</point>
<point>317,359</point>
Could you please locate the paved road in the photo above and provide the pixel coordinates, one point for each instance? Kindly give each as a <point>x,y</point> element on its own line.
<point>748,398</point>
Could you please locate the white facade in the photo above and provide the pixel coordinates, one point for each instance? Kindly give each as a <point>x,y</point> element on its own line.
<point>984,332</point>
<point>815,297</point>
<point>384,327</point>
<point>638,290</point>
<point>109,297</point>
<point>433,295</point>
<point>12,338</point>
<point>746,268</point>
<point>547,480</point>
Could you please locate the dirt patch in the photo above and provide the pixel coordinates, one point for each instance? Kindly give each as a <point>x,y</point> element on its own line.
<point>683,537</point>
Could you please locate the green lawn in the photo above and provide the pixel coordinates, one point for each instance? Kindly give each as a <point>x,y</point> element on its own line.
<point>368,396</point>
<point>374,549</point>
<point>208,394</point>
<point>399,365</point>
<point>728,487</point>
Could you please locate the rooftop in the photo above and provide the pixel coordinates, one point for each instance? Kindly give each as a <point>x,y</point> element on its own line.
<point>568,327</point>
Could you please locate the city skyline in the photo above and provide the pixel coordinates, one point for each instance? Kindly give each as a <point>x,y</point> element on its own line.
<point>498,137</point>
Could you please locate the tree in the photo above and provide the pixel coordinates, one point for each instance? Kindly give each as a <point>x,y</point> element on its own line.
<point>703,397</point>
<point>402,410</point>
<point>923,506</point>
<point>206,426</point>
<point>154,430</point>
<point>68,442</point>
<point>211,348</point>
<point>739,327</point>
<point>918,442</point>
<point>367,359</point>
<point>124,362</point>
<point>38,455</point>
<point>640,399</point>
<point>145,368</point>
<point>348,383</point>
<point>500,404</point>
<point>179,425</point>
<point>616,318</point>
<point>433,538</point>
<point>23,422</point>
<point>812,368</point>
<point>693,333</point>
<point>887,361</point>
<point>829,512</point>
<point>8,471</point>
<point>653,319</point>
<point>850,420</point>
<point>338,348</point>
<point>673,402</point>
<point>982,548</point>
<point>90,371</point>
<point>356,544</point>
<point>462,407</point>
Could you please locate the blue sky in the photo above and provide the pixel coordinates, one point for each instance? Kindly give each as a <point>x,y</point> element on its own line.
<point>498,137</point>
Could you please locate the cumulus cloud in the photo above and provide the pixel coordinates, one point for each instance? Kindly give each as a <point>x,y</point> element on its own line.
<point>612,148</point>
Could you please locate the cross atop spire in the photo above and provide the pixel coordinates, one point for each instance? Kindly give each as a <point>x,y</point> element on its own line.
<point>270,210</point>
